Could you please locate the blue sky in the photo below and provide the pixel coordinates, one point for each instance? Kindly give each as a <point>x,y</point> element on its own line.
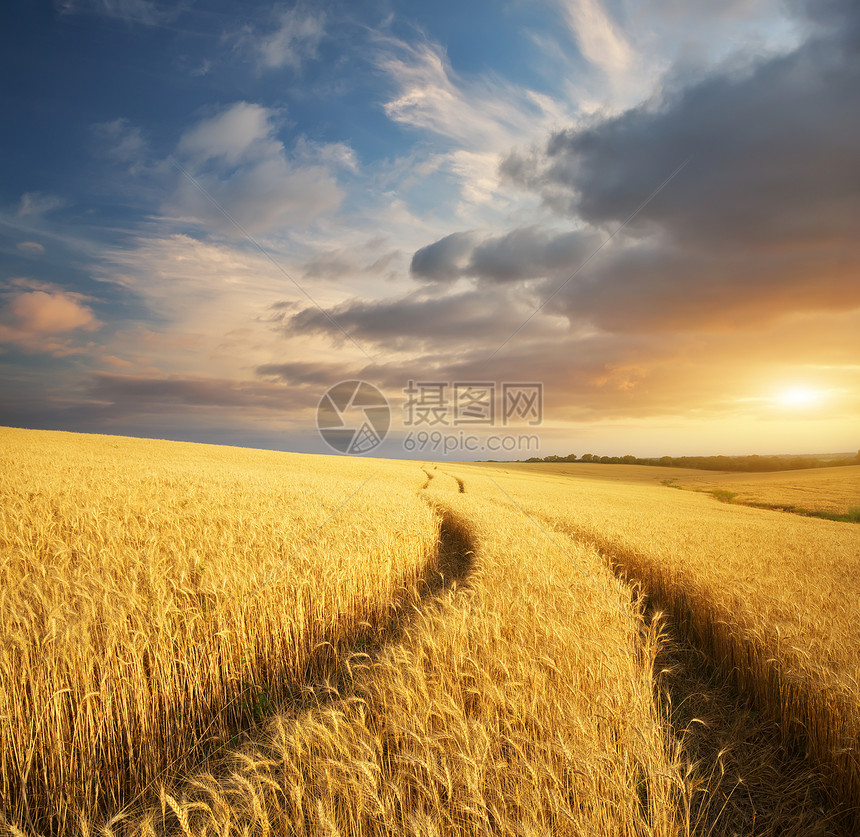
<point>211,212</point>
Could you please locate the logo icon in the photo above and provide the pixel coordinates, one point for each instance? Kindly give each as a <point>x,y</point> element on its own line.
<point>353,417</point>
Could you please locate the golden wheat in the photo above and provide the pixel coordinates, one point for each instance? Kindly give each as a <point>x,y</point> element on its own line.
<point>158,598</point>
<point>519,702</point>
<point>773,598</point>
<point>829,490</point>
<point>198,639</point>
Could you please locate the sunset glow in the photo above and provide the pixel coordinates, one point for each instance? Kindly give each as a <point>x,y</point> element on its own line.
<point>800,397</point>
<point>651,214</point>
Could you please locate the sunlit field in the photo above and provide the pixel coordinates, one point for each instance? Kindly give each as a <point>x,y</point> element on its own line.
<point>805,491</point>
<point>206,640</point>
<point>772,598</point>
<point>158,598</point>
<point>650,475</point>
<point>817,490</point>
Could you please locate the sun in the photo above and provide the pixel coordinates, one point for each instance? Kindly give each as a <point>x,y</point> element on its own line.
<point>798,397</point>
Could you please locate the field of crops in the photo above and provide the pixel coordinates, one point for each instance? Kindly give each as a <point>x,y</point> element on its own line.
<point>771,598</point>
<point>817,491</point>
<point>199,640</point>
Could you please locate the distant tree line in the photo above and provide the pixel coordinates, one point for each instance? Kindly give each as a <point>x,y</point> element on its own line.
<point>711,463</point>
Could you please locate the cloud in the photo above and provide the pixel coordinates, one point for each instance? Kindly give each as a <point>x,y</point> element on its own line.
<point>472,120</point>
<point>32,248</point>
<point>295,39</point>
<point>151,394</point>
<point>522,254</point>
<point>698,296</point>
<point>38,203</point>
<point>529,253</point>
<point>211,307</point>
<point>650,288</point>
<point>195,289</point>
<point>770,148</point>
<point>443,260</point>
<point>123,141</point>
<point>240,167</point>
<point>44,313</point>
<point>225,411</point>
<point>762,167</point>
<point>725,278</point>
<point>337,155</point>
<point>147,12</point>
<point>832,14</point>
<point>237,132</point>
<point>482,114</point>
<point>113,360</point>
<point>345,262</point>
<point>448,324</point>
<point>601,376</point>
<point>26,283</point>
<point>301,373</point>
<point>38,321</point>
<point>429,98</point>
<point>761,222</point>
<point>598,38</point>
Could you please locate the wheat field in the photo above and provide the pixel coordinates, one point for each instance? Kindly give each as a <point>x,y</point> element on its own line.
<point>200,640</point>
<point>519,702</point>
<point>158,597</point>
<point>816,490</point>
<point>772,598</point>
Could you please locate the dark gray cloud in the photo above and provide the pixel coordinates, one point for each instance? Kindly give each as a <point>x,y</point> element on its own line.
<point>299,373</point>
<point>651,288</point>
<point>225,411</point>
<point>529,253</point>
<point>523,253</point>
<point>843,15</point>
<point>756,233</point>
<point>345,262</point>
<point>442,261</point>
<point>762,222</point>
<point>750,251</point>
<point>773,157</point>
<point>151,394</point>
<point>409,323</point>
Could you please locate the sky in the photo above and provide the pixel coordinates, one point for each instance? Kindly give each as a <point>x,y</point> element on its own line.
<point>213,212</point>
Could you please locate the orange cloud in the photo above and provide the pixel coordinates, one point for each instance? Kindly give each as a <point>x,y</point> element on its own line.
<point>39,321</point>
<point>51,313</point>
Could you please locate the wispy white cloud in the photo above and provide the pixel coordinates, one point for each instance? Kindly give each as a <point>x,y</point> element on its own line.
<point>238,164</point>
<point>147,12</point>
<point>599,39</point>
<point>123,142</point>
<point>295,38</point>
<point>230,134</point>
<point>206,302</point>
<point>32,248</point>
<point>337,155</point>
<point>467,122</point>
<point>483,113</point>
<point>38,203</point>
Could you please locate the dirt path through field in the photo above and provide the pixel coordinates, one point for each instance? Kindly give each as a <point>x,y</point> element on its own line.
<point>509,697</point>
<point>753,776</point>
<point>333,666</point>
<point>749,777</point>
<point>746,779</point>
